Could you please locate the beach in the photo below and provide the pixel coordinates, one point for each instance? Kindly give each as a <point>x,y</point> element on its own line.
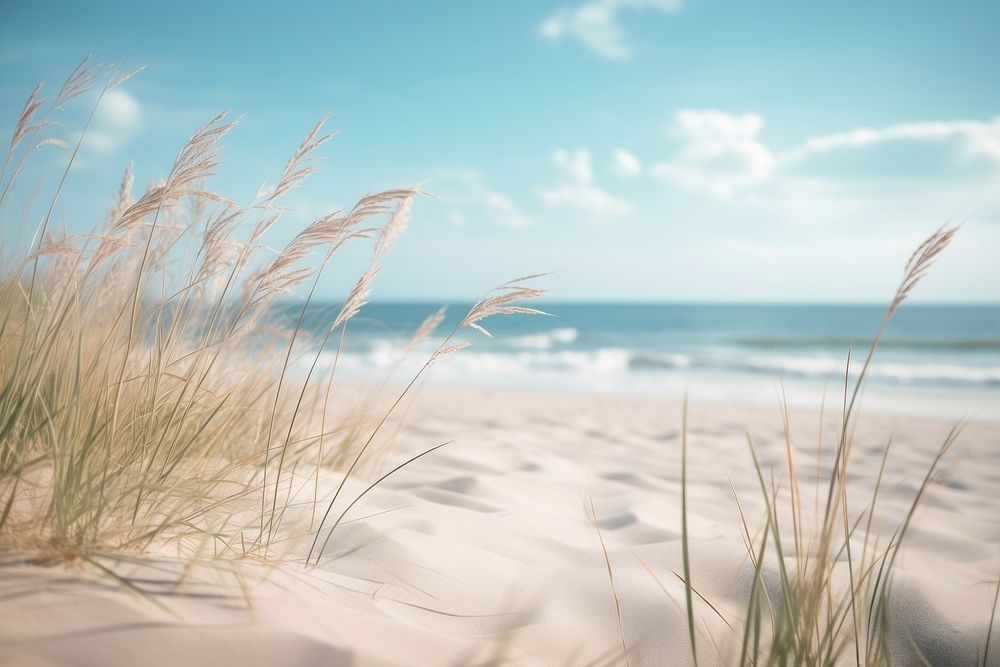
<point>485,551</point>
<point>589,333</point>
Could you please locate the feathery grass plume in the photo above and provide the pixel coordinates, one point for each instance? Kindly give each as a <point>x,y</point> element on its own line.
<point>813,621</point>
<point>125,76</point>
<point>54,248</point>
<point>397,223</point>
<point>357,298</point>
<point>298,168</point>
<point>52,141</point>
<point>443,353</point>
<point>920,262</point>
<point>501,303</point>
<point>284,272</point>
<point>219,249</point>
<point>25,123</point>
<point>428,326</point>
<point>124,199</point>
<point>32,121</point>
<point>80,80</point>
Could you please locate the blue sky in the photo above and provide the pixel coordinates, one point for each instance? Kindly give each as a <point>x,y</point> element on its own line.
<point>639,149</point>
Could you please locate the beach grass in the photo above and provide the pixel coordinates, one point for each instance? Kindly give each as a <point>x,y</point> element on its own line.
<point>831,597</point>
<point>148,391</point>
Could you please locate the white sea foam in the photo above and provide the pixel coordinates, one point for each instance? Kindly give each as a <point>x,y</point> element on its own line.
<point>542,356</point>
<point>547,340</point>
<point>824,366</point>
<point>592,362</point>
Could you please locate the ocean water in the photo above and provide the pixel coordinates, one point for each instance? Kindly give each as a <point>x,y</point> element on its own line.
<point>941,360</point>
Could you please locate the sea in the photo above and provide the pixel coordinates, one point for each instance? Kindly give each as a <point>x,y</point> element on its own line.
<point>933,360</point>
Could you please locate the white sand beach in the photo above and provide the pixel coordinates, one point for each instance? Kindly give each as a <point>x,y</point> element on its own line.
<point>484,552</point>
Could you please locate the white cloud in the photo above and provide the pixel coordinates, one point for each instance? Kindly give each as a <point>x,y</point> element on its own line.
<point>468,197</point>
<point>576,188</point>
<point>720,152</point>
<point>576,164</point>
<point>592,201</point>
<point>625,164</point>
<point>596,24</point>
<point>978,138</point>
<point>118,117</point>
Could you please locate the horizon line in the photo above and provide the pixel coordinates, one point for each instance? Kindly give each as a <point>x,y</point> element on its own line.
<point>678,302</point>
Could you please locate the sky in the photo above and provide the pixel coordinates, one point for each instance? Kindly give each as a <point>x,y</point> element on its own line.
<point>640,150</point>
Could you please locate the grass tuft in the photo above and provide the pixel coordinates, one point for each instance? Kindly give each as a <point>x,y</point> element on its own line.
<point>154,387</point>
<point>815,617</point>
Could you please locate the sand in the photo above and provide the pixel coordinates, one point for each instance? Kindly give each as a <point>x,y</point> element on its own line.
<point>485,552</point>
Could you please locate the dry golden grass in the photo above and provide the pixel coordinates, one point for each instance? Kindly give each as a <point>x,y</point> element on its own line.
<point>144,395</point>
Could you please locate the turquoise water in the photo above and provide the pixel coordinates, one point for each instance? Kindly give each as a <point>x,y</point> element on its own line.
<point>944,356</point>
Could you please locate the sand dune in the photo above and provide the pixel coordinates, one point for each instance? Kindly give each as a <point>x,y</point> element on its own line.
<point>484,552</point>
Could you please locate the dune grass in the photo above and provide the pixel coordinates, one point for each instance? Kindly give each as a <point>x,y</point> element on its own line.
<point>813,615</point>
<point>149,392</point>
